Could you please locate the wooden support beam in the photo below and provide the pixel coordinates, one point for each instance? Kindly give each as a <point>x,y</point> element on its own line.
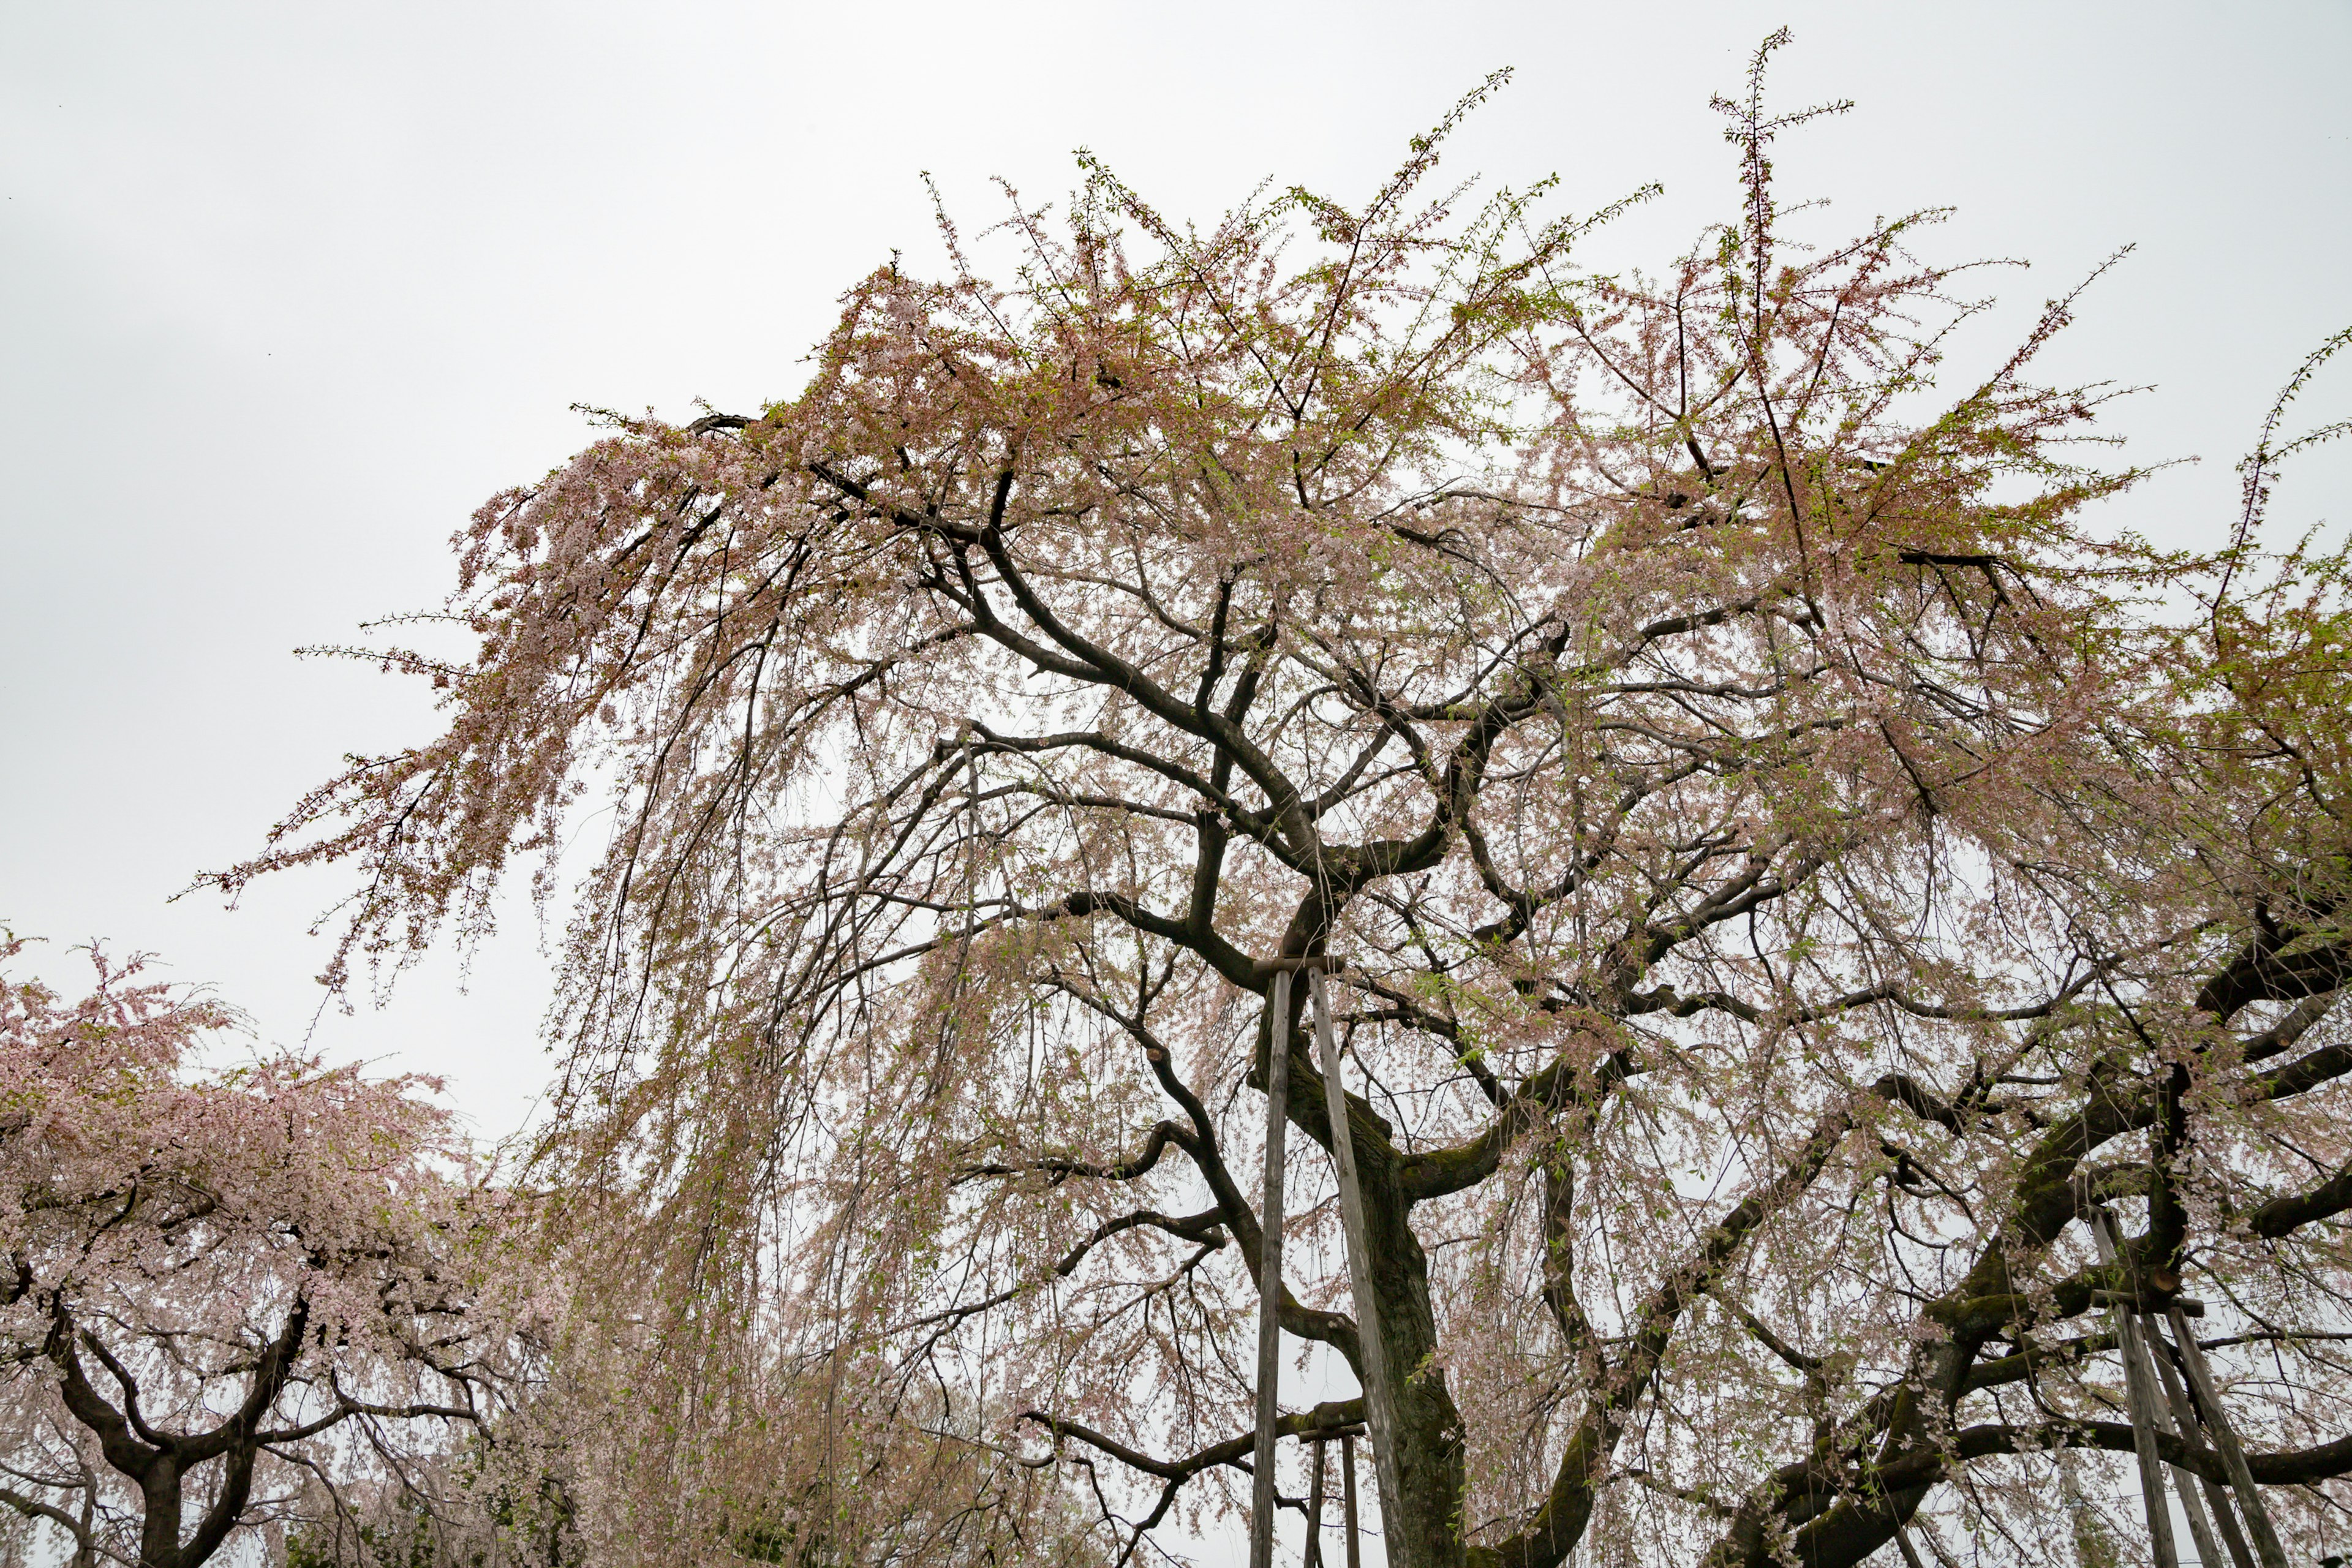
<point>1348,1498</point>
<point>2166,1415</point>
<point>2225,1439</point>
<point>2138,1398</point>
<point>1378,1412</point>
<point>1315,1507</point>
<point>1269,1274</point>
<point>1313,963</point>
<point>2184,1421</point>
<point>2133,1301</point>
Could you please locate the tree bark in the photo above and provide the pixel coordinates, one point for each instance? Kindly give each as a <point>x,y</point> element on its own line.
<point>1430,1471</point>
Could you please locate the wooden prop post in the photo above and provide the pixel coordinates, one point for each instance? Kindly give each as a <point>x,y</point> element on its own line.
<point>2184,1421</point>
<point>1315,1508</point>
<point>1269,1277</point>
<point>2168,1417</point>
<point>2155,1396</point>
<point>1320,1442</point>
<point>2138,1398</point>
<point>1347,1496</point>
<point>1379,1410</point>
<point>2233,1457</point>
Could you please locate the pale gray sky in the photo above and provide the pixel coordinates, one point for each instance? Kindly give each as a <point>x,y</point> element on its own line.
<point>289,289</point>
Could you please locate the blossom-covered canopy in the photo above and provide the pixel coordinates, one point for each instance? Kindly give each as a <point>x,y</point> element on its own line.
<point>1785,866</point>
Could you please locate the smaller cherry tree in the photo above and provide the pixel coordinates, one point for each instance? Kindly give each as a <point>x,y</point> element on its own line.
<point>225,1295</point>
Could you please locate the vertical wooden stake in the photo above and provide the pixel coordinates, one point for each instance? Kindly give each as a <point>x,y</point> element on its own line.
<point>2166,1418</point>
<point>1269,1274</point>
<point>2138,1394</point>
<point>1378,1411</point>
<point>1348,1497</point>
<point>1314,1509</point>
<point>2201,1381</point>
<point>2184,1421</point>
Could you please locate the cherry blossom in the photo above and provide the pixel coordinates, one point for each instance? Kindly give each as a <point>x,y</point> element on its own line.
<point>1790,862</point>
<point>231,1295</point>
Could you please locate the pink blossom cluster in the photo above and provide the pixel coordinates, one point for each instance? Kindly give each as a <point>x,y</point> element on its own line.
<point>231,1294</point>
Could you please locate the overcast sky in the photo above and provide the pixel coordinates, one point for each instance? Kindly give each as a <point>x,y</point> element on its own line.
<point>289,289</point>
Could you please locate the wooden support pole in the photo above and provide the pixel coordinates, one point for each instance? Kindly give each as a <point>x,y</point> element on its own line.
<point>2138,1397</point>
<point>1314,1509</point>
<point>1379,1413</point>
<point>1269,1274</point>
<point>1348,1498</point>
<point>2233,1457</point>
<point>2139,1394</point>
<point>2184,1421</point>
<point>2169,1418</point>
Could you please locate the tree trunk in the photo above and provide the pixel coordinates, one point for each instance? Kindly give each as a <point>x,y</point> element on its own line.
<point>1428,1426</point>
<point>159,1533</point>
